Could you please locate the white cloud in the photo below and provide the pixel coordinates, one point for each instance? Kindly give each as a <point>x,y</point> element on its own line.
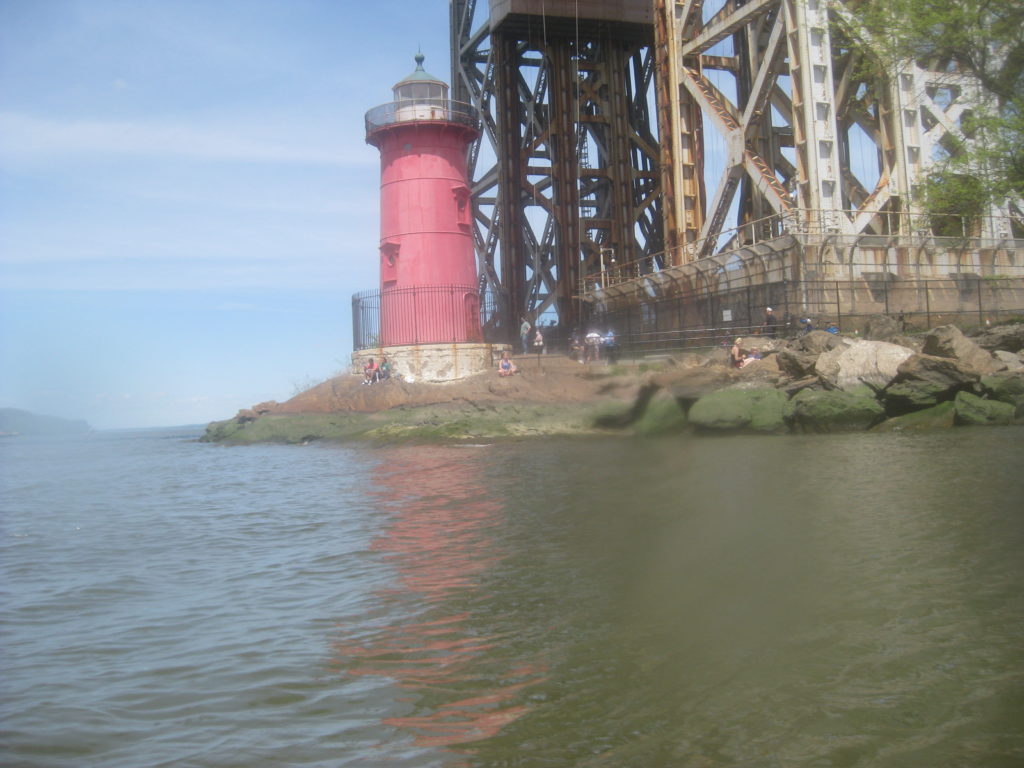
<point>25,136</point>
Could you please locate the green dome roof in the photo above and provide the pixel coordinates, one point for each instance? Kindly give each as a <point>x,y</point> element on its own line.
<point>420,75</point>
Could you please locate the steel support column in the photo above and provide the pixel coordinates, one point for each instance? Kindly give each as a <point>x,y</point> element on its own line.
<point>565,88</point>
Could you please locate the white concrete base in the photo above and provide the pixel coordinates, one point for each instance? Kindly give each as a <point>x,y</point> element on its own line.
<point>433,362</point>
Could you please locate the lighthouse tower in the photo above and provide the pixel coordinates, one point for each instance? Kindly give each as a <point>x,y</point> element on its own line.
<point>428,281</point>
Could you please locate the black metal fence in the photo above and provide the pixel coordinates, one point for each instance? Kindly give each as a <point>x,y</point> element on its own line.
<point>664,325</point>
<point>440,314</point>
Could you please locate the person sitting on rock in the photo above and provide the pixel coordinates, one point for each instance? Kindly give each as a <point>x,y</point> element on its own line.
<point>385,369</point>
<point>736,354</point>
<point>371,372</point>
<point>505,366</point>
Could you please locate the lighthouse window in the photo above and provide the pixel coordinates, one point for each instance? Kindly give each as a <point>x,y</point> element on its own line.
<point>461,195</point>
<point>420,91</point>
<point>389,255</point>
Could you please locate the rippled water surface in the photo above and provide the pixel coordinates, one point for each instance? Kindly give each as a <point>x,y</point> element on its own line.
<point>815,601</point>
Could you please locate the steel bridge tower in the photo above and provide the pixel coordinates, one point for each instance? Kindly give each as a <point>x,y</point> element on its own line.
<point>565,176</point>
<point>812,131</point>
<point>770,118</point>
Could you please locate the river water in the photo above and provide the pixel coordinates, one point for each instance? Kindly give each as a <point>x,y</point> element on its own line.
<point>847,600</point>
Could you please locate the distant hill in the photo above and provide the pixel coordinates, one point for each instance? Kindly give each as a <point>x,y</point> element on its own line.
<point>15,422</point>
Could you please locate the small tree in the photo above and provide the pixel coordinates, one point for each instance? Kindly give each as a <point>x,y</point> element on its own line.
<point>986,39</point>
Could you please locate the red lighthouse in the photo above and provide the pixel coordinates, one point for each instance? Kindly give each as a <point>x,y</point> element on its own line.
<point>428,278</point>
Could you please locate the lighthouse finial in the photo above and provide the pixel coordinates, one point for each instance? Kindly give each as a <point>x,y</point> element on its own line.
<point>419,61</point>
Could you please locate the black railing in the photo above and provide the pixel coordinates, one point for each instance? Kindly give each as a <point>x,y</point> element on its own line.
<point>441,110</point>
<point>664,325</point>
<point>436,314</point>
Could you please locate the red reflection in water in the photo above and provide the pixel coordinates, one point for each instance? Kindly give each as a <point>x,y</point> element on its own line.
<point>441,544</point>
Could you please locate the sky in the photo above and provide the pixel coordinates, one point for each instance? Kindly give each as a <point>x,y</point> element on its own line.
<point>187,201</point>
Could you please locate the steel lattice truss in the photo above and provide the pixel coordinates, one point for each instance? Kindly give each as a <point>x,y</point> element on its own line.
<point>566,174</point>
<point>812,136</point>
<point>774,116</point>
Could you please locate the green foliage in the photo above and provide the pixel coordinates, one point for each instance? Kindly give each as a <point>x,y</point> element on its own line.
<point>951,199</point>
<point>982,37</point>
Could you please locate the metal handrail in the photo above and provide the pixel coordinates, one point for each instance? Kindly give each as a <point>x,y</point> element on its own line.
<point>422,110</point>
<point>410,307</point>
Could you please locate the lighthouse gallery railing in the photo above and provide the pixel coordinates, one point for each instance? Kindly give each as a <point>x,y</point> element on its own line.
<point>422,109</point>
<point>416,311</point>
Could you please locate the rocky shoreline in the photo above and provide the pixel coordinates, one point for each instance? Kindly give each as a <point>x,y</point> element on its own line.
<point>817,383</point>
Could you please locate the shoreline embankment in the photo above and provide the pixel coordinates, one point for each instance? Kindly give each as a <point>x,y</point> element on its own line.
<point>819,382</point>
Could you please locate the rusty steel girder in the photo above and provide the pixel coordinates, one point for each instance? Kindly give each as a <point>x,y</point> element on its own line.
<point>566,176</point>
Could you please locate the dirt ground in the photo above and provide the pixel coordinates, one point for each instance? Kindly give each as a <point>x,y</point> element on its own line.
<point>548,379</point>
<point>540,380</point>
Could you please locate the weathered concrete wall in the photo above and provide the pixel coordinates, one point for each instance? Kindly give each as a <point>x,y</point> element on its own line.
<point>433,362</point>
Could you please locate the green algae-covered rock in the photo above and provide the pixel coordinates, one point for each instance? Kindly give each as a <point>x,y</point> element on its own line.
<point>740,410</point>
<point>614,415</point>
<point>832,411</point>
<point>909,396</point>
<point>662,415</point>
<point>443,422</point>
<point>1006,387</point>
<point>972,410</point>
<point>288,428</point>
<point>939,416</point>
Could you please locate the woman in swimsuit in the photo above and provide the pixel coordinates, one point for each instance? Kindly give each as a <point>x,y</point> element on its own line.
<point>505,366</point>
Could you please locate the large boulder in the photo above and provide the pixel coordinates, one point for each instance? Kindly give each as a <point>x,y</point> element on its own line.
<point>926,380</point>
<point>944,371</point>
<point>909,396</point>
<point>739,410</point>
<point>875,363</point>
<point>882,328</point>
<point>939,416</point>
<point>948,341</point>
<point>832,411</point>
<point>1006,387</point>
<point>1009,338</point>
<point>972,410</point>
<point>663,415</point>
<point>910,342</point>
<point>797,358</point>
<point>1010,360</point>
<point>761,373</point>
